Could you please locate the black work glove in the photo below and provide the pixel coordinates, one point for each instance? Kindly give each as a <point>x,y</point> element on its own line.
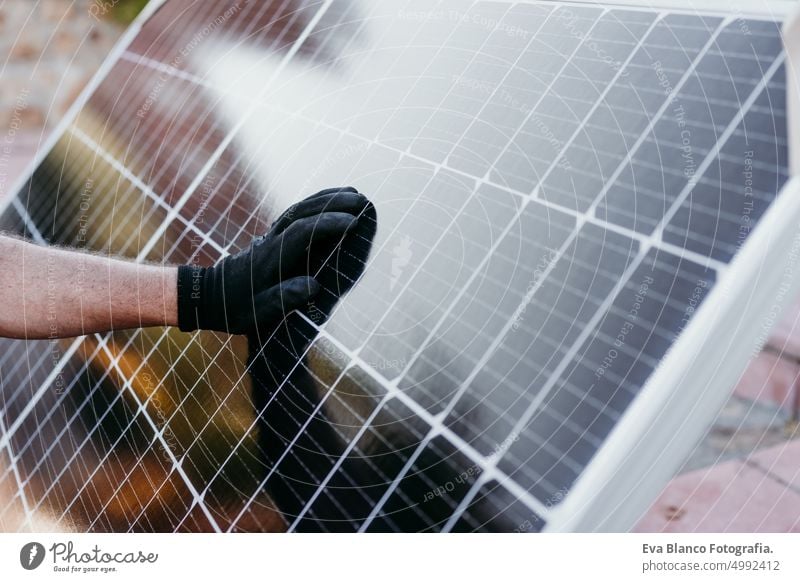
<point>286,395</point>
<point>258,286</point>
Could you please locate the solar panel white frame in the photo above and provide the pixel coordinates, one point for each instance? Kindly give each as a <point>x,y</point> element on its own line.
<point>776,9</point>
<point>617,485</point>
<point>791,35</point>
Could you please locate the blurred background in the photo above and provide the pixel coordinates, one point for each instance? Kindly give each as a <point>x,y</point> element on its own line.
<point>49,50</point>
<point>744,475</point>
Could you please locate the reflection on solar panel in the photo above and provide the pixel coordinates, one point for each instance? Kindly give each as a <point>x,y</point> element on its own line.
<point>558,187</point>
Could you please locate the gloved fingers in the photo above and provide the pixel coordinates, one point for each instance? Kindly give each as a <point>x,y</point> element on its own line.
<point>340,201</point>
<point>338,189</point>
<point>272,305</point>
<point>296,242</point>
<point>288,215</point>
<point>278,258</point>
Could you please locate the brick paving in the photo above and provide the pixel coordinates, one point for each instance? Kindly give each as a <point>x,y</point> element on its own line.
<point>745,475</point>
<point>48,51</point>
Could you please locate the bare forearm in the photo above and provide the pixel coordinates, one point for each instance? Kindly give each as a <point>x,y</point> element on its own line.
<point>51,292</point>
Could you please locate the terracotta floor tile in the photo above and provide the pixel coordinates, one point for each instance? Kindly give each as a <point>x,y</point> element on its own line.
<point>768,378</point>
<point>782,461</point>
<point>729,497</point>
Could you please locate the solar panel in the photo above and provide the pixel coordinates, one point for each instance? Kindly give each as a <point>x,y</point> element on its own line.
<point>559,187</point>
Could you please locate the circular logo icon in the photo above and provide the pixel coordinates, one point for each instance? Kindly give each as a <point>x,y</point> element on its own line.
<point>31,555</point>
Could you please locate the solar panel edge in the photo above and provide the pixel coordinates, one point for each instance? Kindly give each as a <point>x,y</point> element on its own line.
<point>772,10</point>
<point>789,31</point>
<point>611,493</point>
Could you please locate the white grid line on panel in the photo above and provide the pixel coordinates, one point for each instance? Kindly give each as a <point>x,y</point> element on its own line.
<point>229,138</point>
<point>408,280</point>
<point>14,469</point>
<point>176,464</point>
<point>437,428</point>
<point>345,453</point>
<point>499,338</point>
<point>464,503</point>
<point>30,405</point>
<point>472,60</point>
<point>425,160</point>
<point>371,141</point>
<point>176,152</point>
<point>375,374</point>
<point>144,188</point>
<point>78,448</point>
<point>672,248</point>
<point>609,299</point>
<point>143,253</point>
<point>532,290</point>
<point>534,405</point>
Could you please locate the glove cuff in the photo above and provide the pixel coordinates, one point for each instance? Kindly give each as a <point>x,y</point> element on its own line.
<point>190,288</point>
